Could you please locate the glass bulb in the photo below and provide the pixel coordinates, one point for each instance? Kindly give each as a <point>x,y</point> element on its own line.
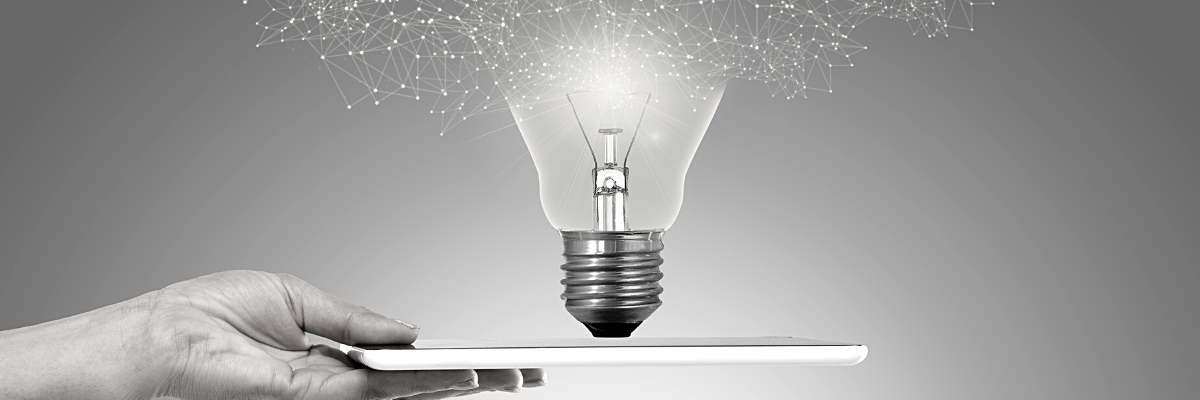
<point>651,135</point>
<point>611,167</point>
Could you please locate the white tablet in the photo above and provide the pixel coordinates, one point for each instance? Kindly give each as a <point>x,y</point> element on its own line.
<point>593,352</point>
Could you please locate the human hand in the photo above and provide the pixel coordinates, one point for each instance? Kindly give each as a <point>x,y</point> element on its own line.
<point>241,334</point>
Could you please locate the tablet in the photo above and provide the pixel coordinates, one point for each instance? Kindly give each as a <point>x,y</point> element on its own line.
<point>605,352</point>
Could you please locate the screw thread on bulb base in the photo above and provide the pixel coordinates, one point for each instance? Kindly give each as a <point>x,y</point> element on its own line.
<point>611,283</point>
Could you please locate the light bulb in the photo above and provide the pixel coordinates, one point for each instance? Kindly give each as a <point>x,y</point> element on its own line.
<point>611,166</point>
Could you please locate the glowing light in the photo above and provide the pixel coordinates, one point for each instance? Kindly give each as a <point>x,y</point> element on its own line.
<point>473,55</point>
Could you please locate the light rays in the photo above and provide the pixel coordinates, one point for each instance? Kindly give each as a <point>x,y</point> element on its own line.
<point>462,58</point>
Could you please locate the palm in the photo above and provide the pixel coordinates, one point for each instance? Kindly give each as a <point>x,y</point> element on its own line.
<point>229,347</point>
<point>229,335</point>
<point>243,335</point>
<point>238,335</point>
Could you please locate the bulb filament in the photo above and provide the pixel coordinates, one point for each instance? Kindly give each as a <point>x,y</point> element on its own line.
<point>610,187</point>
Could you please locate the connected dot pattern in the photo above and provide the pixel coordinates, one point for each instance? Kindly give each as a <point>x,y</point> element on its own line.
<point>463,58</point>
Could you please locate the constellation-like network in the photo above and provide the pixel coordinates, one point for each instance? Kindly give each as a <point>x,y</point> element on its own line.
<point>465,58</point>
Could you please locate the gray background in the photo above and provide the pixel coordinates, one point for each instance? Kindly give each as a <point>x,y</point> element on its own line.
<point>1005,213</point>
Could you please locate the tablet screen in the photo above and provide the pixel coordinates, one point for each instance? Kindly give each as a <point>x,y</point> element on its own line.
<point>600,352</point>
<point>605,342</point>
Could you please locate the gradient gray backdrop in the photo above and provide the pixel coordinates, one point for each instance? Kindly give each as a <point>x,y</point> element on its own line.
<point>1004,213</point>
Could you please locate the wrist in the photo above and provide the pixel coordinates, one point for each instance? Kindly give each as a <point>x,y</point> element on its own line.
<point>97,354</point>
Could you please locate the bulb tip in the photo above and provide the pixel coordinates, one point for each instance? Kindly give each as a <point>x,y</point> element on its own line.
<point>612,329</point>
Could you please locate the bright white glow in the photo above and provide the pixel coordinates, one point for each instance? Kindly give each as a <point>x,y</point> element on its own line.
<point>471,57</point>
<point>476,55</point>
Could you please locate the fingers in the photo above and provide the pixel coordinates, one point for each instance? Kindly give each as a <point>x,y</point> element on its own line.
<point>533,377</point>
<point>323,314</point>
<point>507,380</point>
<point>365,384</point>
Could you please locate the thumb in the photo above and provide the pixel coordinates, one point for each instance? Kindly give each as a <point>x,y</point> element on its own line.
<point>326,315</point>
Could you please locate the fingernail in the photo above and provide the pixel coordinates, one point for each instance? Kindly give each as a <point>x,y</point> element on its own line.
<point>467,384</point>
<point>409,325</point>
<point>512,389</point>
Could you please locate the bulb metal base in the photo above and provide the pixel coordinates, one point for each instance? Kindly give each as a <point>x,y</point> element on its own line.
<point>611,283</point>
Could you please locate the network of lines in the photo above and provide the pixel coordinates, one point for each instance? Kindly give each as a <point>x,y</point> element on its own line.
<point>468,57</point>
